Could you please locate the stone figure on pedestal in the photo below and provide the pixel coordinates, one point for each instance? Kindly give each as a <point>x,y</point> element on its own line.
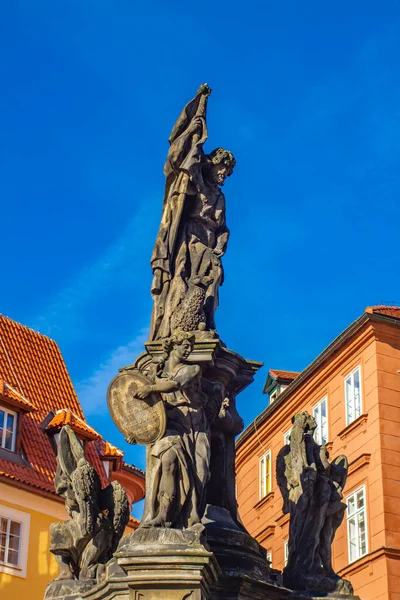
<point>193,235</point>
<point>98,517</point>
<point>178,464</point>
<point>312,491</point>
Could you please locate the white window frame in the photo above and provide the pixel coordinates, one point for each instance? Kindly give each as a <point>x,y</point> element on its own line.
<point>351,375</point>
<point>273,396</point>
<point>286,436</point>
<point>14,436</point>
<point>356,514</point>
<point>25,520</point>
<point>264,491</point>
<point>319,431</point>
<point>285,552</point>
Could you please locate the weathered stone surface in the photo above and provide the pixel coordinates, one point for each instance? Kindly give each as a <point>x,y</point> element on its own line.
<point>193,235</point>
<point>85,542</point>
<point>68,590</point>
<point>312,490</point>
<point>140,422</point>
<point>237,553</point>
<point>160,564</point>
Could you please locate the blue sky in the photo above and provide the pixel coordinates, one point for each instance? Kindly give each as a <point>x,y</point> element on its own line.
<point>306,95</point>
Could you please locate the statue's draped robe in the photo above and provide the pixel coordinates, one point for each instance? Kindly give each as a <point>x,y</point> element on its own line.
<point>182,167</point>
<point>188,435</point>
<point>193,222</point>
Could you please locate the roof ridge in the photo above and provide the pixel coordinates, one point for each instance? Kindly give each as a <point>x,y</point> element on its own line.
<point>3,316</point>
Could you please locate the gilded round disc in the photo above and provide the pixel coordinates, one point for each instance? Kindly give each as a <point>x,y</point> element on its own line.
<point>140,421</point>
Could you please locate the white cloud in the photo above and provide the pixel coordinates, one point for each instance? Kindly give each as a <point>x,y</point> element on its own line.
<point>92,390</point>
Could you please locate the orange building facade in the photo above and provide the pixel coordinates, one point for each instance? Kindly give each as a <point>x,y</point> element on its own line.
<point>353,390</point>
<point>36,399</point>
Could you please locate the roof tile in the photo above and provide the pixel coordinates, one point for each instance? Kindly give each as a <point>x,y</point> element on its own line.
<point>37,378</point>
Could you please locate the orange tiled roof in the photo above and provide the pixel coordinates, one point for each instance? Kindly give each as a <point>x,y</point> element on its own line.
<point>389,311</point>
<point>32,363</point>
<point>9,394</point>
<point>285,375</point>
<point>111,450</point>
<point>67,417</point>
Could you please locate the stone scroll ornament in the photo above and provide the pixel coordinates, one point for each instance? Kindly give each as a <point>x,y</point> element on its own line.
<point>193,236</point>
<point>98,517</point>
<point>312,491</point>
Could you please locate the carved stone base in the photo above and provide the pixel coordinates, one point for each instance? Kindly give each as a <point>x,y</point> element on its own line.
<point>237,553</point>
<point>68,589</point>
<point>319,587</point>
<point>159,564</point>
<point>333,596</point>
<point>241,587</point>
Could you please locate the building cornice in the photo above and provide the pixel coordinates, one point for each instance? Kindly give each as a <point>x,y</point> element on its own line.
<point>362,562</point>
<point>333,348</point>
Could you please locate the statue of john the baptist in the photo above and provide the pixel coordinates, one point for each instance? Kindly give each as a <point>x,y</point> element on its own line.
<point>193,234</point>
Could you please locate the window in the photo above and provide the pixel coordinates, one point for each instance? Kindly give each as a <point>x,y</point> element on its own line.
<point>320,412</point>
<point>14,540</point>
<point>356,525</point>
<point>269,556</point>
<point>285,552</point>
<point>265,474</point>
<point>352,385</point>
<point>286,437</point>
<point>10,536</point>
<point>273,396</point>
<point>8,429</point>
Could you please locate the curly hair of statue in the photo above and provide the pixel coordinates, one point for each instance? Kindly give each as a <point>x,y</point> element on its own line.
<point>176,339</point>
<point>220,155</point>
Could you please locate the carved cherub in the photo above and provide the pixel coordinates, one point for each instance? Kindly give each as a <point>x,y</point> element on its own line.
<point>98,516</point>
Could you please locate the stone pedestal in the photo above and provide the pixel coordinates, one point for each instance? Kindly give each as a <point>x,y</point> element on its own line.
<point>68,589</point>
<point>159,564</point>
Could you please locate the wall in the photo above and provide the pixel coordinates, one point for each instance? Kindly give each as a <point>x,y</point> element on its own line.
<point>42,566</point>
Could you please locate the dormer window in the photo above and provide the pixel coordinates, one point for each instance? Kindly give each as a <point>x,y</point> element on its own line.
<point>8,429</point>
<point>273,396</point>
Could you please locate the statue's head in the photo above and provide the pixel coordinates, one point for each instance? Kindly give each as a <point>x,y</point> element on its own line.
<point>219,165</point>
<point>304,421</point>
<point>181,343</point>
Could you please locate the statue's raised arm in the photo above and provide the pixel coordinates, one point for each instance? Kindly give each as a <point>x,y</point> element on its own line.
<point>192,237</point>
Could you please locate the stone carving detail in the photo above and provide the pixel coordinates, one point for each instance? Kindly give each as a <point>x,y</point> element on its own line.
<point>193,234</point>
<point>312,491</point>
<point>178,465</point>
<point>140,422</point>
<point>84,543</point>
<point>221,488</point>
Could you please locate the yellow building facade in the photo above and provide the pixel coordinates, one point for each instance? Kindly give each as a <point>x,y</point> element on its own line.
<point>37,566</point>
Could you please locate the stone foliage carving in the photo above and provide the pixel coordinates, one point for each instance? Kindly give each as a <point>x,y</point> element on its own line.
<point>312,491</point>
<point>98,517</point>
<point>193,235</point>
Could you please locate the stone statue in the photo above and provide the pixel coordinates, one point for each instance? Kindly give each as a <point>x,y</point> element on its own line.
<point>178,464</point>
<point>221,489</point>
<point>312,491</point>
<point>193,234</point>
<point>84,543</point>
